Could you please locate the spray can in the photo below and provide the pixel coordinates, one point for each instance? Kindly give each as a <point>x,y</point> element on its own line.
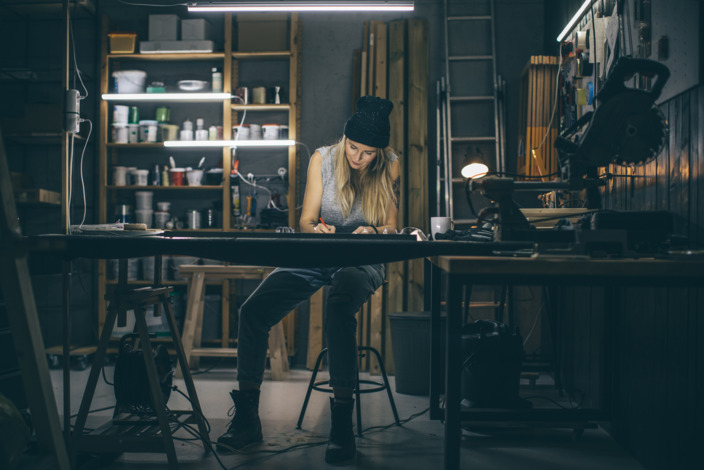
<point>235,187</point>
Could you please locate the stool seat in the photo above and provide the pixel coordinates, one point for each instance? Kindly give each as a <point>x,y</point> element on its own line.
<point>358,390</point>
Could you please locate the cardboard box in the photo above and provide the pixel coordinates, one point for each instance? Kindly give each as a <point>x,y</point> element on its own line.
<point>262,32</point>
<point>164,27</point>
<point>38,196</point>
<point>195,30</point>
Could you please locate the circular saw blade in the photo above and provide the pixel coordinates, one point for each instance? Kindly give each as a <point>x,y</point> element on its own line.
<point>643,137</point>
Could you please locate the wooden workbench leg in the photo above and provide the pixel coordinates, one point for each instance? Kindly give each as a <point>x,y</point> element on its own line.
<point>187,378</point>
<point>196,285</point>
<point>435,336</point>
<point>155,386</point>
<point>453,358</point>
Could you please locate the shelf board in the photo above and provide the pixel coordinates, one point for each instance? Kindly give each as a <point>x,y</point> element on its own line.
<point>38,138</point>
<point>165,188</point>
<point>170,56</point>
<point>261,55</point>
<point>261,107</point>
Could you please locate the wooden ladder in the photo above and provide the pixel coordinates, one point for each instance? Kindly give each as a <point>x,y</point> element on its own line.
<point>24,323</point>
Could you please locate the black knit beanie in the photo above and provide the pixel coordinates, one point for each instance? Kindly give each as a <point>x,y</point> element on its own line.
<point>369,125</point>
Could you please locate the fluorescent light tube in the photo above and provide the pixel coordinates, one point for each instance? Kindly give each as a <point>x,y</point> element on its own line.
<point>575,19</point>
<point>229,143</point>
<point>292,5</point>
<point>166,96</point>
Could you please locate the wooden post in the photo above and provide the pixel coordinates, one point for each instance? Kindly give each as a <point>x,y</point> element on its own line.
<point>417,149</point>
<point>396,272</point>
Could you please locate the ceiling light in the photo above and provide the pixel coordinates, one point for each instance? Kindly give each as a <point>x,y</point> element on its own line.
<point>293,5</point>
<point>229,143</point>
<point>166,96</point>
<point>575,19</point>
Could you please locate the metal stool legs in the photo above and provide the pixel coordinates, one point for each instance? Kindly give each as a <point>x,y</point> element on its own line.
<point>313,385</point>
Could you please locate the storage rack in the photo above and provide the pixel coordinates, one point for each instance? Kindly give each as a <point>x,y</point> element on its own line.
<point>228,60</point>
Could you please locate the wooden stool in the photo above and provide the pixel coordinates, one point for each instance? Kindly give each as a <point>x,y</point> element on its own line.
<point>129,432</point>
<point>193,323</point>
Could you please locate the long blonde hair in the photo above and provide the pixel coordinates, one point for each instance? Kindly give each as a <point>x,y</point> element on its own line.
<point>373,183</point>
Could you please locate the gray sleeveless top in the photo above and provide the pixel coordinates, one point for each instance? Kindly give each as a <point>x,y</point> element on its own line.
<point>330,209</point>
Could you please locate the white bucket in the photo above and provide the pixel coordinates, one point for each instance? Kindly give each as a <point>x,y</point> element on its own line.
<point>119,133</point>
<point>144,199</point>
<point>140,178</point>
<point>148,131</point>
<point>133,133</point>
<point>144,216</point>
<point>194,177</point>
<point>120,114</point>
<point>130,81</point>
<point>119,175</point>
<point>270,131</point>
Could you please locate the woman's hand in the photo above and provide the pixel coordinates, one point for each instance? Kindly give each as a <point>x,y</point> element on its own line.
<point>365,229</point>
<point>322,228</point>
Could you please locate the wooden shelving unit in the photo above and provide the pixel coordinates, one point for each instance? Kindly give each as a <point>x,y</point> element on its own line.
<point>111,153</point>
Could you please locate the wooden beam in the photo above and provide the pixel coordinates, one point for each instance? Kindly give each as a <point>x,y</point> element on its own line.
<point>380,72</point>
<point>397,79</point>
<point>418,71</point>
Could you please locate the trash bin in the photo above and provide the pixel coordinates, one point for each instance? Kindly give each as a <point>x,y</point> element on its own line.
<point>410,342</point>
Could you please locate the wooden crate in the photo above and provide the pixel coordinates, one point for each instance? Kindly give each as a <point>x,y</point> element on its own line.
<point>38,196</point>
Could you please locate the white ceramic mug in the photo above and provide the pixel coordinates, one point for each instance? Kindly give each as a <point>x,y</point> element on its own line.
<point>440,225</point>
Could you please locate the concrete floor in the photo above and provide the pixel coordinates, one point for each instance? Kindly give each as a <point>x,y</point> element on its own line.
<point>417,444</point>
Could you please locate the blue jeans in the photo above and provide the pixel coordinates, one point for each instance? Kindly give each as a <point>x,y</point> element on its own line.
<point>282,291</point>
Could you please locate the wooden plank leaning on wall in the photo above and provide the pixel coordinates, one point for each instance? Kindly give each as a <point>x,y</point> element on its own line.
<point>417,191</point>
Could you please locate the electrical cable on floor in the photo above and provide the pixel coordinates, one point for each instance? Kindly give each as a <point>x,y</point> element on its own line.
<point>268,453</point>
<point>542,397</point>
<point>205,371</point>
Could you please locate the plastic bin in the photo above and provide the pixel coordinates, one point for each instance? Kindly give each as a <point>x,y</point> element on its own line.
<point>410,341</point>
<point>122,43</point>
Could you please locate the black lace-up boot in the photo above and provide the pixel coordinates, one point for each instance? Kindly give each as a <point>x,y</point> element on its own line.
<point>341,445</point>
<point>245,428</point>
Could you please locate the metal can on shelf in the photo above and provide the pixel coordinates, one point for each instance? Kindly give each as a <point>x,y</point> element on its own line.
<point>193,219</point>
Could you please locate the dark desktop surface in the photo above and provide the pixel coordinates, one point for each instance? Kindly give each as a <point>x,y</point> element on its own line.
<point>265,248</point>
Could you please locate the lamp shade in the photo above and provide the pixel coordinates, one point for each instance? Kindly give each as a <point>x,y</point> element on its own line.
<point>474,170</point>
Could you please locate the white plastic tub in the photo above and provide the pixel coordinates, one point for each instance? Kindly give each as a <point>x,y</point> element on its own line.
<point>130,81</point>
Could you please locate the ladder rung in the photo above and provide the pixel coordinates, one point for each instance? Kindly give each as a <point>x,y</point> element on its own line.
<point>469,18</point>
<point>472,98</point>
<point>456,58</point>
<point>473,139</point>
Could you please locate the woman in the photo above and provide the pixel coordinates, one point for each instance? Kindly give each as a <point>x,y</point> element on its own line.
<point>353,187</point>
